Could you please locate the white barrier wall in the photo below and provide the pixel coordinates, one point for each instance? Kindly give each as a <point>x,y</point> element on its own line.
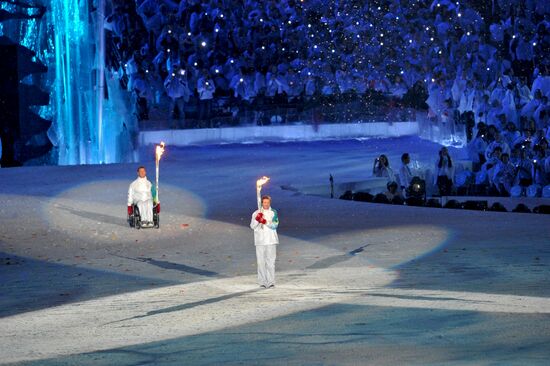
<point>278,133</point>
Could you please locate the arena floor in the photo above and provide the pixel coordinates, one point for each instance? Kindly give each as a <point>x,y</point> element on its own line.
<point>357,283</point>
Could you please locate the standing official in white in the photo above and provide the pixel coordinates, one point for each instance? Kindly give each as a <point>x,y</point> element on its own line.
<point>264,223</point>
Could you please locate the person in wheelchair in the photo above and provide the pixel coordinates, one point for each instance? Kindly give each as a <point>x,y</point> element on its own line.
<point>140,195</point>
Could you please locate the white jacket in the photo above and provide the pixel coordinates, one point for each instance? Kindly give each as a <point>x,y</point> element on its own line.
<point>265,234</point>
<point>140,190</point>
<point>405,176</point>
<point>205,88</point>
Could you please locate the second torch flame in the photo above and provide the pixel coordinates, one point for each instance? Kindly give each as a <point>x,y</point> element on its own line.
<point>260,182</point>
<point>159,150</point>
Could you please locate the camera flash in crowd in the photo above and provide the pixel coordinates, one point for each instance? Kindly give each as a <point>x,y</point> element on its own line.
<point>203,43</point>
<point>182,72</point>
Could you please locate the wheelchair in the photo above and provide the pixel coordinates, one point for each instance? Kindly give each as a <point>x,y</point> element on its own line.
<point>134,219</point>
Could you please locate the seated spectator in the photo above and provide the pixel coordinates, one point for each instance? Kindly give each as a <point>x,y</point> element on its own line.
<point>539,173</point>
<point>529,109</point>
<point>511,134</point>
<point>498,142</point>
<point>542,84</point>
<point>486,176</point>
<point>206,89</point>
<point>398,88</point>
<point>476,151</point>
<point>177,89</point>
<point>393,194</point>
<point>525,169</point>
<point>504,175</point>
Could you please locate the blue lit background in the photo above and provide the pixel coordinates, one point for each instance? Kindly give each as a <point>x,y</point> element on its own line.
<point>86,127</point>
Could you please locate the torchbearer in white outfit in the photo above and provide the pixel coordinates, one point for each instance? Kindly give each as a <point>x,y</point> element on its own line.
<point>264,222</point>
<point>140,194</point>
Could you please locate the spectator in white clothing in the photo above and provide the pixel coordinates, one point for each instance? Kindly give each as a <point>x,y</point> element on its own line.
<point>405,174</point>
<point>381,168</point>
<point>206,89</point>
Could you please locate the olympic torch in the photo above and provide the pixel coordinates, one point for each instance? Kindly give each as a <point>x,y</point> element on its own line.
<point>159,150</point>
<point>259,183</point>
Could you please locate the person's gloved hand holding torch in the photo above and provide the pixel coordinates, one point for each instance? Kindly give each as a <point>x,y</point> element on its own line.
<point>260,218</point>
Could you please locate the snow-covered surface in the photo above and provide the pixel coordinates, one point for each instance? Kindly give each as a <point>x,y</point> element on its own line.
<point>357,283</point>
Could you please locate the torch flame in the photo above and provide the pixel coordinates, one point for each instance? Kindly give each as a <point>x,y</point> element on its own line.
<point>260,182</point>
<point>159,150</point>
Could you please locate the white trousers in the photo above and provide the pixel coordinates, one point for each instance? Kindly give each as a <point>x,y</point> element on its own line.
<point>266,255</point>
<point>145,210</point>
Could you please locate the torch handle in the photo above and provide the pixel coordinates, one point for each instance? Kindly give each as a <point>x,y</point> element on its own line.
<point>157,180</point>
<point>259,196</point>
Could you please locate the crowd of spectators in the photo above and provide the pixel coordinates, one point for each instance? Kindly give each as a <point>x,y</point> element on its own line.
<point>481,65</point>
<point>437,52</point>
<point>520,170</point>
